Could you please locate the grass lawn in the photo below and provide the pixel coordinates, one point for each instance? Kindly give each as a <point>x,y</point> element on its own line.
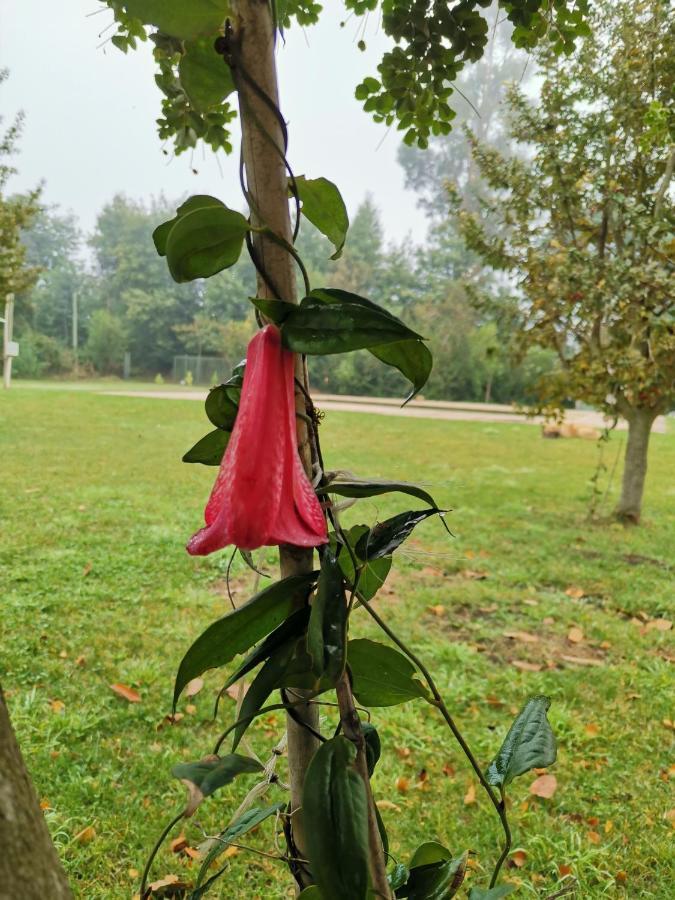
<point>95,507</point>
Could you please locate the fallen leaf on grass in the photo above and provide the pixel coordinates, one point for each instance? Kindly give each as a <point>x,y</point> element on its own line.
<point>667,723</point>
<point>470,796</point>
<point>127,693</point>
<point>87,569</point>
<point>387,804</point>
<point>592,730</point>
<point>44,804</point>
<point>438,610</point>
<point>575,635</point>
<point>472,575</point>
<point>194,687</point>
<point>659,625</point>
<point>402,784</point>
<point>609,826</point>
<point>621,877</point>
<point>179,843</point>
<point>193,853</point>
<point>86,836</point>
<point>576,593</point>
<point>518,858</point>
<point>525,666</point>
<point>670,817</point>
<point>57,706</point>
<point>564,870</point>
<point>81,661</point>
<point>133,873</point>
<point>594,837</point>
<point>448,770</point>
<point>190,709</point>
<point>524,636</point>
<point>169,719</point>
<point>582,660</point>
<point>544,786</point>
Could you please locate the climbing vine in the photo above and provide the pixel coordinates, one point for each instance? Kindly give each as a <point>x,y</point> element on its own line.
<point>299,634</point>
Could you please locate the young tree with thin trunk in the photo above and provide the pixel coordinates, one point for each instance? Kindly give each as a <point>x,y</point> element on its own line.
<point>582,221</point>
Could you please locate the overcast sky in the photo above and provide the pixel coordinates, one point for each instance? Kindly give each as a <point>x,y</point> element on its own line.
<point>90,115</point>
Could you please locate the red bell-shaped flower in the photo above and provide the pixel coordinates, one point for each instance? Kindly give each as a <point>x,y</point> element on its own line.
<point>262,496</point>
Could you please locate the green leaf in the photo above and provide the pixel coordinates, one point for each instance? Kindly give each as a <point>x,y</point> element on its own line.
<point>529,744</point>
<point>239,630</point>
<point>205,76</point>
<point>181,19</point>
<point>246,822</point>
<point>384,837</point>
<point>199,201</point>
<point>204,242</point>
<point>268,678</point>
<point>323,205</point>
<point>373,746</point>
<point>220,408</point>
<point>372,575</point>
<point>276,311</point>
<point>206,776</point>
<point>495,893</point>
<point>398,876</point>
<point>387,536</point>
<point>413,359</point>
<point>317,328</point>
<point>210,449</point>
<point>381,676</point>
<point>439,878</point>
<point>335,818</point>
<point>360,488</point>
<point>327,630</point>
<point>310,893</point>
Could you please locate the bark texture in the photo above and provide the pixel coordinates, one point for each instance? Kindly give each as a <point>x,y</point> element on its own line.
<point>29,866</point>
<point>263,152</point>
<point>640,423</point>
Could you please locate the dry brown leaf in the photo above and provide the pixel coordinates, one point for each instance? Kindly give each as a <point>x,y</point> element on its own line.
<point>594,837</point>
<point>387,804</point>
<point>438,610</point>
<point>667,723</point>
<point>609,826</point>
<point>194,687</point>
<point>86,836</point>
<point>179,843</point>
<point>518,858</point>
<point>233,690</point>
<point>170,719</point>
<point>564,870</point>
<point>491,700</point>
<point>575,635</point>
<point>470,796</point>
<point>402,752</point>
<point>621,877</point>
<point>576,593</point>
<point>63,654</point>
<point>544,786</point>
<point>127,693</point>
<point>402,784</point>
<point>57,706</point>
<point>167,881</point>
<point>87,569</point>
<point>581,660</point>
<point>592,821</point>
<point>190,709</point>
<point>524,636</point>
<point>81,661</point>
<point>472,575</point>
<point>133,873</point>
<point>44,804</point>
<point>592,730</point>
<point>659,625</point>
<point>448,770</point>
<point>525,666</point>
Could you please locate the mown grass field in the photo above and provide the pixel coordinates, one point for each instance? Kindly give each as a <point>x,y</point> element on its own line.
<point>95,508</point>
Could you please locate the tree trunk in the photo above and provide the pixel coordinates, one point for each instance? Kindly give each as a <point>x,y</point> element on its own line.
<point>640,423</point>
<point>254,40</point>
<point>29,866</point>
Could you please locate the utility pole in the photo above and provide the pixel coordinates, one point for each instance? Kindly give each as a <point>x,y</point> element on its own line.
<point>10,348</point>
<point>75,335</point>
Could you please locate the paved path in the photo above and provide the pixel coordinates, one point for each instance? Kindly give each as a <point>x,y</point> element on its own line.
<point>417,409</point>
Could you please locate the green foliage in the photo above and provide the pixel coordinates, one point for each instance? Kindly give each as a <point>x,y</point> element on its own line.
<point>385,537</point>
<point>433,874</point>
<point>530,744</point>
<point>381,675</point>
<point>210,449</point>
<point>240,629</point>
<point>323,206</point>
<point>205,241</point>
<point>327,630</point>
<point>106,342</point>
<point>41,355</point>
<point>203,778</point>
<point>334,810</point>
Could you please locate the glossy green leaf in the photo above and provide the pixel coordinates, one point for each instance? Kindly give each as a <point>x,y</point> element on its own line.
<point>387,536</point>
<point>398,876</point>
<point>276,311</point>
<point>437,879</point>
<point>205,241</point>
<point>323,205</point>
<point>220,408</point>
<point>210,449</point>
<point>181,19</point>
<point>206,776</point>
<point>495,893</point>
<point>199,201</point>
<point>315,327</point>
<point>373,746</point>
<point>381,675</point>
<point>239,630</point>
<point>335,817</point>
<point>428,853</point>
<point>204,75</point>
<point>529,744</point>
<point>382,830</point>
<point>327,630</point>
<point>269,677</point>
<point>413,359</point>
<point>363,487</point>
<point>372,574</point>
<point>246,822</point>
<point>310,893</point>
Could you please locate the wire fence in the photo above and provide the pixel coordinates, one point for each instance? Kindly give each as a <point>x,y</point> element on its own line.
<point>203,370</point>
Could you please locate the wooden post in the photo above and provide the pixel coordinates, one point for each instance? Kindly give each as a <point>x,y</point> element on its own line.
<point>8,352</point>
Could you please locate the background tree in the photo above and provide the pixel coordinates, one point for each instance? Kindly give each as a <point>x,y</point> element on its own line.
<point>582,221</point>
